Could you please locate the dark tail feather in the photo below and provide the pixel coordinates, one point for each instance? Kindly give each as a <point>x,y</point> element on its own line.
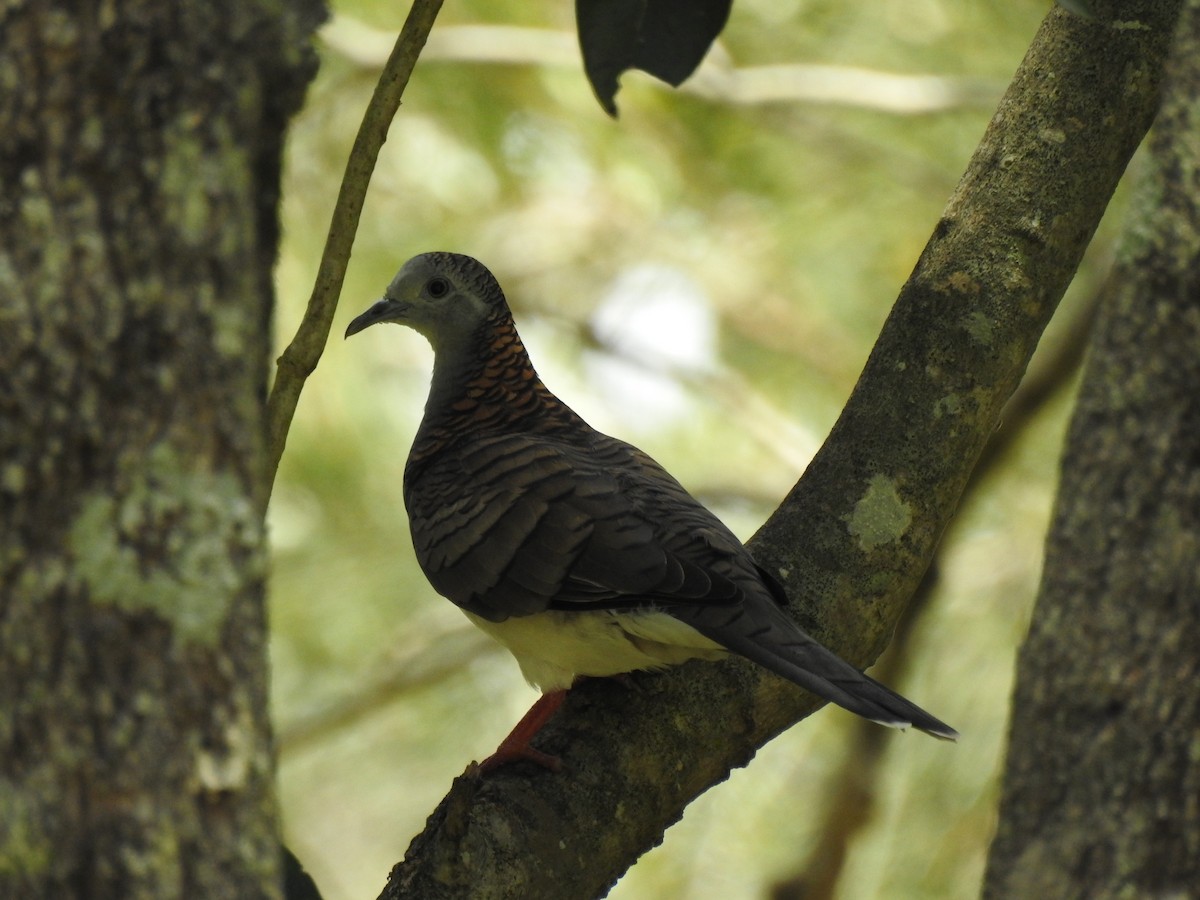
<point>762,632</point>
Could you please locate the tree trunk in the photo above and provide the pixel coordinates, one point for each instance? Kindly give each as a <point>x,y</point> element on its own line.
<point>139,153</point>
<point>1102,787</point>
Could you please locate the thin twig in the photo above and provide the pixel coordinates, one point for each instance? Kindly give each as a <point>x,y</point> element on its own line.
<point>300,358</point>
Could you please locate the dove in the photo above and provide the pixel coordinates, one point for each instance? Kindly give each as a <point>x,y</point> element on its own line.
<point>575,550</point>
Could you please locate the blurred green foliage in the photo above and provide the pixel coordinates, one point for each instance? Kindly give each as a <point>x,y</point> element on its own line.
<point>798,221</point>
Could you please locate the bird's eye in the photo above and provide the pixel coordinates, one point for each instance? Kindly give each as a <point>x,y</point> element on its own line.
<point>438,287</point>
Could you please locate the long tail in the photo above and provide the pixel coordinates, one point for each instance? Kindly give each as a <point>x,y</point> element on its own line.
<point>760,631</point>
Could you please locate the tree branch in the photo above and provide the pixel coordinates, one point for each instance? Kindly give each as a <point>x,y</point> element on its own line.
<point>853,538</point>
<point>854,786</point>
<point>717,79</point>
<point>300,358</point>
<point>1100,779</point>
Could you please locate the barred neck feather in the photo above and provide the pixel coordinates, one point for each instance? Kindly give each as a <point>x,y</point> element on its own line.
<point>486,384</point>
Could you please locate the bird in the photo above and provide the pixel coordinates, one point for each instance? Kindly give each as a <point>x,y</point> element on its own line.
<point>576,550</point>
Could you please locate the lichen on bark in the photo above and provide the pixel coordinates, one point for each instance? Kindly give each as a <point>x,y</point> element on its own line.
<point>140,149</point>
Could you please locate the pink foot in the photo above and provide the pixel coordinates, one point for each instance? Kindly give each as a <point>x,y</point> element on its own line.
<point>515,747</point>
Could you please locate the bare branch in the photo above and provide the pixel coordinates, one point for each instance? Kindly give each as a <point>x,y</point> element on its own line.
<point>304,352</point>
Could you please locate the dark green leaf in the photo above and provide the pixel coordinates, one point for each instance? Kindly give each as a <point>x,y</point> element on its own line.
<point>665,38</point>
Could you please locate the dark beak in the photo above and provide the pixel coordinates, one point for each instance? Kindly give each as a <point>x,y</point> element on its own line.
<point>383,311</point>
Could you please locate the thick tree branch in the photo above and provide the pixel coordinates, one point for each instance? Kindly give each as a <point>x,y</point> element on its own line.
<point>854,537</point>
<point>859,771</point>
<point>300,358</point>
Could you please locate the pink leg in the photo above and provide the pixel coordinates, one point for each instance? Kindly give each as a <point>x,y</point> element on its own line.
<point>516,747</point>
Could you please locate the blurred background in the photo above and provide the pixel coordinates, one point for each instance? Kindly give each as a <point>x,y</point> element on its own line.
<point>703,277</point>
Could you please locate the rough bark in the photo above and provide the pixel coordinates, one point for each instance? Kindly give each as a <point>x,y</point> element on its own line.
<point>854,537</point>
<point>854,788</point>
<point>1102,788</point>
<point>139,152</point>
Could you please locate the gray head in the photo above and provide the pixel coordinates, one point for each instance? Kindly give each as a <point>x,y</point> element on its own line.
<point>444,296</point>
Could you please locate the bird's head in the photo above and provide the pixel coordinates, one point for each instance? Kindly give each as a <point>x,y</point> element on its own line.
<point>444,296</point>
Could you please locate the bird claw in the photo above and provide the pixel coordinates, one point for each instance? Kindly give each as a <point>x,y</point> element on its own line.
<point>515,747</point>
